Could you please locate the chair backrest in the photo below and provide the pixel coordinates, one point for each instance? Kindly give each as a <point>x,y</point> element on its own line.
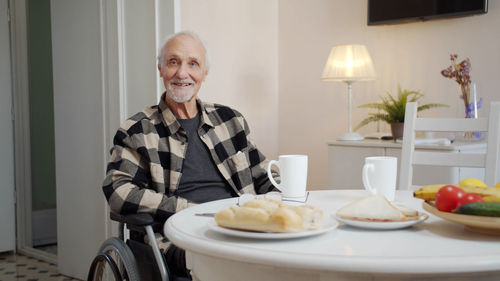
<point>488,160</point>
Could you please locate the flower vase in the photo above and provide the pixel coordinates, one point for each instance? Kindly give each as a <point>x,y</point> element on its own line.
<point>471,107</point>
<point>468,136</point>
<point>465,89</point>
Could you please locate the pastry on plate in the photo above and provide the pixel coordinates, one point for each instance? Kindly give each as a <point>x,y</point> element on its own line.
<point>268,215</point>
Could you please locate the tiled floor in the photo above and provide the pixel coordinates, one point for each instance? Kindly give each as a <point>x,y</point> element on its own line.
<point>15,267</point>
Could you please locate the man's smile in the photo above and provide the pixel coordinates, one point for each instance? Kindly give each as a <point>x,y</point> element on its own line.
<point>179,84</point>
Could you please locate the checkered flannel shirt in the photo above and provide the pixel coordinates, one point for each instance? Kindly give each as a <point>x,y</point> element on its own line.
<point>149,148</point>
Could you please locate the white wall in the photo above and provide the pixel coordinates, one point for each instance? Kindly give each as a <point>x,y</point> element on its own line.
<point>79,133</point>
<point>138,56</point>
<point>312,112</point>
<point>242,40</point>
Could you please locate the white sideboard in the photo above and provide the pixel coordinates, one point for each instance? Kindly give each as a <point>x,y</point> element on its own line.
<point>346,159</point>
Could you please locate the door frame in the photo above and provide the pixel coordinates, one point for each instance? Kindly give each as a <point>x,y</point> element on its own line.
<point>22,145</point>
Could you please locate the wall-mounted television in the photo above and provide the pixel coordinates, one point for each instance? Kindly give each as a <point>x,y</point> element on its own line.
<point>399,11</point>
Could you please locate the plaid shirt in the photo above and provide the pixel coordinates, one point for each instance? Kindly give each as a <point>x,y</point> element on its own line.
<point>149,148</point>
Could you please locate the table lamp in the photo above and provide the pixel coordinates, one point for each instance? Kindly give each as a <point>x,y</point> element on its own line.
<point>349,63</point>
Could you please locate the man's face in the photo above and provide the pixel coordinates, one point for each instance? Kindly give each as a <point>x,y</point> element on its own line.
<point>183,68</point>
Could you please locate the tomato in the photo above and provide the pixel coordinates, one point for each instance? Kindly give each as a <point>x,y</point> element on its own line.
<point>447,198</point>
<point>469,198</point>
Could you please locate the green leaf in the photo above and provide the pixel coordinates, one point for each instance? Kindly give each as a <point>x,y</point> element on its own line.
<point>373,118</point>
<point>371,105</point>
<point>430,105</point>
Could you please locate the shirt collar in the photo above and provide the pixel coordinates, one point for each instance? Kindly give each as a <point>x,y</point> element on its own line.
<point>171,122</point>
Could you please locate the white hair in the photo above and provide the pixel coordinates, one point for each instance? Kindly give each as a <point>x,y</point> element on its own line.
<point>162,51</point>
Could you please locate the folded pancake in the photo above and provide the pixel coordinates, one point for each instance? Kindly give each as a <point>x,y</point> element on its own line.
<point>375,208</point>
<point>268,215</point>
<point>409,213</point>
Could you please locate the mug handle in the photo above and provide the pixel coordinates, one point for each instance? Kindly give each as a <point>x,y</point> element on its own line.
<point>366,181</point>
<point>269,173</point>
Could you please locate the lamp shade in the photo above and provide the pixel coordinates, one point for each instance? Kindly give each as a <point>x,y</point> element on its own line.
<point>348,63</point>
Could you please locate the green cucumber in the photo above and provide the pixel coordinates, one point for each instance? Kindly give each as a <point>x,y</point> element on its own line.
<point>490,209</point>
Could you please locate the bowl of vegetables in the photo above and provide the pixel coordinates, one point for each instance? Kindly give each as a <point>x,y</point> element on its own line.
<point>476,207</point>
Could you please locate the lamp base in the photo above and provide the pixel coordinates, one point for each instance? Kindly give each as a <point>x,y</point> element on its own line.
<point>351,137</point>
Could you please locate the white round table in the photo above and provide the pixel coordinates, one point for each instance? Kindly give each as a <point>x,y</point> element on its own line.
<point>432,250</point>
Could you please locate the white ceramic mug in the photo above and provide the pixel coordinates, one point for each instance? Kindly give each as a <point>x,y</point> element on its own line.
<point>379,175</point>
<point>293,175</point>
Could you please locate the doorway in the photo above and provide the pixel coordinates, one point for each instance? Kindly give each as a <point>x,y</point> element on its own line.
<point>35,154</point>
<point>7,207</point>
<point>43,180</point>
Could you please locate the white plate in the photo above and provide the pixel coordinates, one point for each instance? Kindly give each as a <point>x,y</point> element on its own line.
<point>328,224</point>
<point>383,225</point>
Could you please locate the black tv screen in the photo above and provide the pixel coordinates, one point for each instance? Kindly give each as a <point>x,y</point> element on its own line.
<point>394,11</point>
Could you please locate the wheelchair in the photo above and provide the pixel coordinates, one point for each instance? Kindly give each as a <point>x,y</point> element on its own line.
<point>130,258</point>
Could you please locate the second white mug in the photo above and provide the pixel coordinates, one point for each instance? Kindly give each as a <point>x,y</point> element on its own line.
<point>293,175</point>
<point>379,175</point>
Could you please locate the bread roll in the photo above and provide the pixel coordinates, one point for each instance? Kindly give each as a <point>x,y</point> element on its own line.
<point>268,215</point>
<point>312,217</point>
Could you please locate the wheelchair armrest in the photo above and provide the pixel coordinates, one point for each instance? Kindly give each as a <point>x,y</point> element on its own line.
<point>141,219</point>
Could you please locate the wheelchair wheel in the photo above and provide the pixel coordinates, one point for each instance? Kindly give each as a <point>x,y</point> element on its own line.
<point>123,258</point>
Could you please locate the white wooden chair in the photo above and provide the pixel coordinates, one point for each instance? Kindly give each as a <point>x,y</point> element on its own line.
<point>488,160</point>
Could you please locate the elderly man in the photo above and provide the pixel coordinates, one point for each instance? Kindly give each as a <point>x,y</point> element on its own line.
<point>182,151</point>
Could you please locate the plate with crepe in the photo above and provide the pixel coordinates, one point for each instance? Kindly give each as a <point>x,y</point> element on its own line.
<point>376,212</point>
<point>266,218</point>
<point>383,225</point>
<point>328,225</point>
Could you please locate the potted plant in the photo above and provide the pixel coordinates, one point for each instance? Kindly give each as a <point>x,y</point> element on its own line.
<point>392,110</point>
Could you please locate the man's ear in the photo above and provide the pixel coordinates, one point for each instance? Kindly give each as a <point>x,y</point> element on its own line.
<point>159,69</point>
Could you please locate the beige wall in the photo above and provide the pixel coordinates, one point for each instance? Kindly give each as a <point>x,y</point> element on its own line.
<point>242,40</point>
<point>312,112</point>
<point>267,58</point>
